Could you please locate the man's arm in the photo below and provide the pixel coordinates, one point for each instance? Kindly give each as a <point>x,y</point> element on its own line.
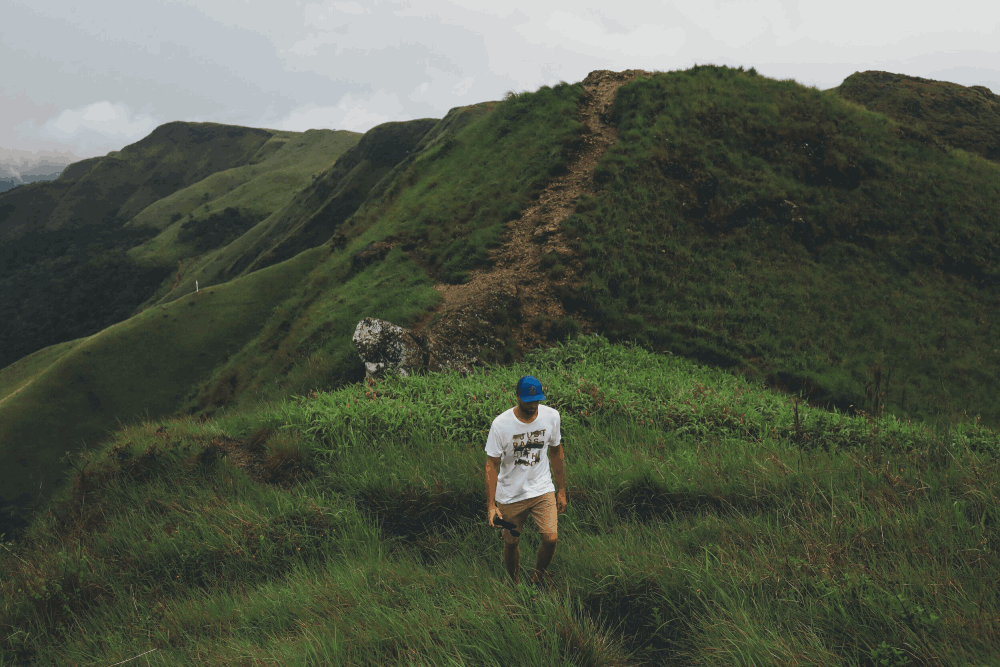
<point>558,463</point>
<point>492,472</point>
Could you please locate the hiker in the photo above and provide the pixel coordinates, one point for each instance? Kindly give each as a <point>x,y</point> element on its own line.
<point>522,442</point>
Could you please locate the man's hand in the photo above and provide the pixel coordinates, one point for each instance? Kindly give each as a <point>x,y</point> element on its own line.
<point>561,501</point>
<point>491,512</point>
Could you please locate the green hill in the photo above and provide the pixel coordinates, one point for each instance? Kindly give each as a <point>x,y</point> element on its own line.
<point>67,265</point>
<point>784,234</point>
<point>301,222</point>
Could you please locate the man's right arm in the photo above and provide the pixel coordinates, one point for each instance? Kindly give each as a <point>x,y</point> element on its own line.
<point>492,472</point>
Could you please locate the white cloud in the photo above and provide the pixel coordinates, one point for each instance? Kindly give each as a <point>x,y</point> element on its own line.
<point>349,7</point>
<point>95,126</point>
<point>358,113</point>
<point>311,63</point>
<point>587,35</point>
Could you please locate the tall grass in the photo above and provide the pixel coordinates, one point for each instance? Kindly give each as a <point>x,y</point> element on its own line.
<point>710,522</point>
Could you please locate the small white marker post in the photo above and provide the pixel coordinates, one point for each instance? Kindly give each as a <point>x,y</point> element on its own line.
<point>196,286</point>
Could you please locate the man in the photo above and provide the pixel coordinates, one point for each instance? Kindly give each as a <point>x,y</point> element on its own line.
<point>522,442</point>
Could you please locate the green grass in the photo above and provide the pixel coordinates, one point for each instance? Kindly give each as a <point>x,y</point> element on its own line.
<point>890,261</point>
<point>710,522</point>
<point>144,366</point>
<point>451,204</point>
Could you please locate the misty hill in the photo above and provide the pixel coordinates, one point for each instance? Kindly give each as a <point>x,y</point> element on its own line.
<point>18,167</point>
<point>778,232</point>
<point>65,271</point>
<point>9,183</point>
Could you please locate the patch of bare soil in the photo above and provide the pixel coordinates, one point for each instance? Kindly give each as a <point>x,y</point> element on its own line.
<point>518,288</point>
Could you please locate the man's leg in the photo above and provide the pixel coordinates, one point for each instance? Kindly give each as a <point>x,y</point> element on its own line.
<point>511,548</point>
<point>544,513</point>
<point>546,550</point>
<point>512,555</point>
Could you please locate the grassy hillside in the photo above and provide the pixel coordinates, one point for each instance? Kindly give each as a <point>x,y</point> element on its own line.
<point>77,392</point>
<point>710,522</point>
<point>66,270</point>
<point>961,117</point>
<point>306,219</point>
<point>782,233</point>
<point>453,201</point>
<point>286,164</point>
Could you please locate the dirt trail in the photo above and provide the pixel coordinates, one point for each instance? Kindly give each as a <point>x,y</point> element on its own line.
<point>17,391</point>
<point>517,277</point>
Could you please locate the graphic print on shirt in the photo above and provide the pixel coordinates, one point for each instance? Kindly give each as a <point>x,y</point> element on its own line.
<point>524,443</point>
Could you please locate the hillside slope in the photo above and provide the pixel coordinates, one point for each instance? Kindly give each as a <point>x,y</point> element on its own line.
<point>66,263</point>
<point>787,235</point>
<point>77,392</point>
<point>312,215</point>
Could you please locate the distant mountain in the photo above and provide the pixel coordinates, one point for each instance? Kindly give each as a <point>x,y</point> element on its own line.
<point>19,167</point>
<point>9,183</point>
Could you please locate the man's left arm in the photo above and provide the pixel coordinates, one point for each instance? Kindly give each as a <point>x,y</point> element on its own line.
<point>558,463</point>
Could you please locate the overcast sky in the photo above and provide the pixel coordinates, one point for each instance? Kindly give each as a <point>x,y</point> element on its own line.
<point>89,78</point>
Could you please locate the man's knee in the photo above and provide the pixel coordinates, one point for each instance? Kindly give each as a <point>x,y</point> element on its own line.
<point>509,539</point>
<point>550,538</point>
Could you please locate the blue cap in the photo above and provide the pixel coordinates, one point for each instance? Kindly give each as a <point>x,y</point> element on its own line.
<point>530,389</point>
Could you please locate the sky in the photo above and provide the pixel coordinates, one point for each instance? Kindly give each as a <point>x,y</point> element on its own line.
<point>84,79</point>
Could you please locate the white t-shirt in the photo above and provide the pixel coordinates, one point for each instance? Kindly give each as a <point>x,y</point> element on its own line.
<point>523,450</point>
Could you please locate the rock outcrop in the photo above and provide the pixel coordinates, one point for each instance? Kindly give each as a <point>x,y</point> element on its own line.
<point>384,346</point>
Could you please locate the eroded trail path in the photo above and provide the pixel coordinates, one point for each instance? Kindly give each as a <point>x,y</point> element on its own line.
<point>518,281</point>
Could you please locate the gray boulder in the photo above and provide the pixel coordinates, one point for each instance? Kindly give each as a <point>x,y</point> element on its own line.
<point>383,345</point>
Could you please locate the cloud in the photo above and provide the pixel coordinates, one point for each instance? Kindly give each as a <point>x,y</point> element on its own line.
<point>357,113</point>
<point>587,35</point>
<point>95,126</point>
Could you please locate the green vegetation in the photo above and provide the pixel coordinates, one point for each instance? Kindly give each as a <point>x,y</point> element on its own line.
<point>24,370</point>
<point>451,204</point>
<point>790,236</point>
<point>307,342</point>
<point>316,212</point>
<point>283,167</point>
<point>710,522</point>
<point>144,366</point>
<point>962,117</point>
<point>780,234</point>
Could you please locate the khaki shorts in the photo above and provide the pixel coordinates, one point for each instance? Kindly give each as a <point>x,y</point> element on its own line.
<point>542,509</point>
